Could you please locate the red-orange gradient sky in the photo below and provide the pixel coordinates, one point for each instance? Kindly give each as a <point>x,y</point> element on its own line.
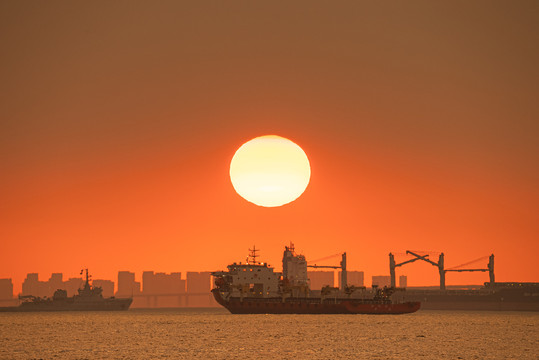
<point>119,121</point>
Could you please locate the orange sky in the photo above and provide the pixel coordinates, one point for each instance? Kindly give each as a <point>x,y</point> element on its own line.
<point>118,123</point>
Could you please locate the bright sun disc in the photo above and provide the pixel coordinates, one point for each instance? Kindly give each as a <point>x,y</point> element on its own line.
<point>270,171</point>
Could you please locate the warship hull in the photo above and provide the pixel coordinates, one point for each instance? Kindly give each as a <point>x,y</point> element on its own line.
<point>310,305</point>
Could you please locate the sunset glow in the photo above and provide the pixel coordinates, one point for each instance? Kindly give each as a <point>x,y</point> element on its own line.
<point>270,171</point>
<point>119,137</point>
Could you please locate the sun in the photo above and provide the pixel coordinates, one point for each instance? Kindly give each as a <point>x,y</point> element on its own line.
<point>270,171</point>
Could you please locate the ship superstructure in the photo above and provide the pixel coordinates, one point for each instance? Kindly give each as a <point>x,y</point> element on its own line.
<point>251,279</point>
<point>295,280</point>
<point>255,287</point>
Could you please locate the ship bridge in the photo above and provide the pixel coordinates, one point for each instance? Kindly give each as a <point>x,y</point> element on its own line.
<point>253,279</point>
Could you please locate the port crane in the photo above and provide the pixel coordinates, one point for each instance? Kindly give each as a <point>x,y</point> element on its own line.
<point>440,266</point>
<point>342,266</point>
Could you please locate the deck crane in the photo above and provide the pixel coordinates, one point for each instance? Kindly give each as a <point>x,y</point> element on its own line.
<point>325,258</point>
<point>342,266</point>
<point>440,266</point>
<point>490,267</point>
<point>393,265</point>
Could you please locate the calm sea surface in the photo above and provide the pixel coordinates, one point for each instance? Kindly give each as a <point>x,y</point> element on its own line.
<point>216,334</point>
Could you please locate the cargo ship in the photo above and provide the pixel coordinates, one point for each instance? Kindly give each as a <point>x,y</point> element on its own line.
<point>89,298</point>
<point>498,296</point>
<point>494,296</point>
<point>255,288</point>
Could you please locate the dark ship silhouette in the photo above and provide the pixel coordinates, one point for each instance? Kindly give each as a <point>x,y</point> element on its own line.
<point>89,298</point>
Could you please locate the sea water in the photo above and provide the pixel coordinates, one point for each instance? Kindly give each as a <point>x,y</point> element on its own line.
<point>216,334</point>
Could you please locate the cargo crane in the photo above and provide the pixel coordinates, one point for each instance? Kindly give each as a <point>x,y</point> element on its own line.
<point>490,267</point>
<point>440,266</point>
<point>342,266</point>
<point>393,265</point>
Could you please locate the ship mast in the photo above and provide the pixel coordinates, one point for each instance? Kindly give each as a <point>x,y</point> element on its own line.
<point>251,260</point>
<point>87,283</point>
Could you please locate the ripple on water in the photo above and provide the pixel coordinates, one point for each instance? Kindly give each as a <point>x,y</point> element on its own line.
<point>216,334</point>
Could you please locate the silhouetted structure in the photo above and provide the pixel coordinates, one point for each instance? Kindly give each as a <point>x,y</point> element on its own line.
<point>162,290</point>
<point>32,286</point>
<point>106,285</point>
<point>72,286</point>
<point>55,282</point>
<point>127,286</point>
<point>161,283</point>
<point>88,298</point>
<point>199,283</point>
<point>381,281</point>
<point>355,278</point>
<point>319,279</point>
<point>6,289</point>
<point>403,281</point>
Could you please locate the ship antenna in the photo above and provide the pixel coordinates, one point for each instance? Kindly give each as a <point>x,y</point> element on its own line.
<point>252,256</point>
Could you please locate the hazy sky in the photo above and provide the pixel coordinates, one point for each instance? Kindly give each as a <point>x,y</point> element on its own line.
<point>118,121</point>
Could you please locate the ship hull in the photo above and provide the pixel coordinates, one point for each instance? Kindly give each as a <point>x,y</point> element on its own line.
<point>45,306</point>
<point>311,306</point>
<point>480,306</point>
<point>499,300</point>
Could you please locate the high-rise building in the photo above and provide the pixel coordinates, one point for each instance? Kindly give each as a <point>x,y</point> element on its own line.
<point>165,288</point>
<point>162,284</point>
<point>199,283</point>
<point>403,281</point>
<point>127,286</point>
<point>319,279</point>
<point>381,280</point>
<point>32,286</point>
<point>73,285</point>
<point>106,285</point>
<point>6,289</point>
<point>55,282</point>
<point>355,278</point>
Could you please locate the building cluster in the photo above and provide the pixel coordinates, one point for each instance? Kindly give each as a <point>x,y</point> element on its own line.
<point>35,287</point>
<point>6,289</point>
<point>156,289</point>
<point>167,290</point>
